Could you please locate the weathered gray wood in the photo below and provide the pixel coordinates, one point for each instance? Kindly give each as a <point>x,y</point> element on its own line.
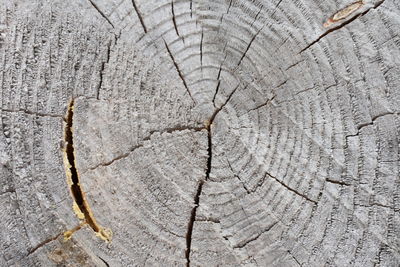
<point>201,133</point>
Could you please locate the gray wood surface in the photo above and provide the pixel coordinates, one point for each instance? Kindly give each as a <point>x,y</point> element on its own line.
<point>199,133</point>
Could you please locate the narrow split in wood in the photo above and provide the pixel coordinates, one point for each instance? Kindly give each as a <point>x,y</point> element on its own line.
<point>344,22</point>
<point>179,71</point>
<point>103,65</point>
<point>67,235</point>
<point>174,19</point>
<point>140,17</point>
<point>45,242</point>
<point>102,13</point>
<point>198,192</point>
<point>103,260</point>
<point>81,206</point>
<point>207,125</point>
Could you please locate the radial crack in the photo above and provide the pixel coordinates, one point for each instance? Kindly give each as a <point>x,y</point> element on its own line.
<point>191,222</point>
<point>173,18</point>
<point>343,13</point>
<point>216,111</point>
<point>248,46</point>
<point>341,26</point>
<point>229,7</point>
<point>238,177</point>
<point>32,113</point>
<point>299,264</point>
<point>255,18</point>
<point>175,129</point>
<point>219,81</point>
<point>294,64</point>
<point>67,235</point>
<point>263,105</point>
<point>375,204</point>
<point>199,190</point>
<point>125,155</point>
<point>179,71</point>
<point>45,242</point>
<point>248,191</point>
<point>139,16</point>
<point>101,13</point>
<point>336,182</point>
<point>197,196</point>
<point>104,261</point>
<point>276,7</point>
<point>292,190</point>
<point>102,70</point>
<point>207,176</point>
<point>201,48</point>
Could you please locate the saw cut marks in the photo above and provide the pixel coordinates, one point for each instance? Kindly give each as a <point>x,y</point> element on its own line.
<point>343,13</point>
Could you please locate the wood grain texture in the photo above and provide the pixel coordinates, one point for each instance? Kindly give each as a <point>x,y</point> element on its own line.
<point>204,133</point>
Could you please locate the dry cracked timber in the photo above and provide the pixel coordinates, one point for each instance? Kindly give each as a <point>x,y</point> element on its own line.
<point>254,133</point>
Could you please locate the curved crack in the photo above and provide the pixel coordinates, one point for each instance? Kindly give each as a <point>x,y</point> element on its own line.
<point>174,18</point>
<point>81,206</point>
<point>104,261</point>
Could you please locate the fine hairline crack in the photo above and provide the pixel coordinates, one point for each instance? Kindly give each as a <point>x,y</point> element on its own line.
<point>101,13</point>
<point>103,65</point>
<point>181,76</point>
<point>147,138</point>
<point>267,174</point>
<point>244,243</point>
<point>34,113</point>
<point>292,190</point>
<point>139,15</point>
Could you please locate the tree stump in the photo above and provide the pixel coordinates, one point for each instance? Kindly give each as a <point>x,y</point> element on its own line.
<point>200,133</point>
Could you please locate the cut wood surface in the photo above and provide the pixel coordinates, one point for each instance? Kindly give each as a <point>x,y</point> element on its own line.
<point>200,133</point>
